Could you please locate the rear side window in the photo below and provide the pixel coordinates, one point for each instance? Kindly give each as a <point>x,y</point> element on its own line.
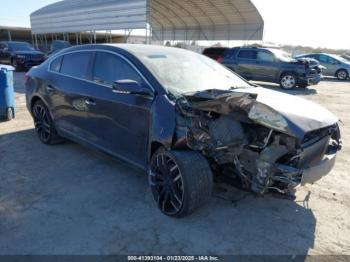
<point>56,64</point>
<point>247,54</point>
<point>76,64</point>
<point>109,68</point>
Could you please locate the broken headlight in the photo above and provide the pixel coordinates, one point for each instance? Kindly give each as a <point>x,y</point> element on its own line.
<point>268,117</point>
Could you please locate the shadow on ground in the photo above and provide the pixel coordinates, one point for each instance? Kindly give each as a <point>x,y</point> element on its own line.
<point>67,199</point>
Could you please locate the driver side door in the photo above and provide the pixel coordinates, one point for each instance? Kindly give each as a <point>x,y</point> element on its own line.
<point>118,123</point>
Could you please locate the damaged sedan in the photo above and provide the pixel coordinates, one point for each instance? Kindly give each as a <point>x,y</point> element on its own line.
<point>182,117</point>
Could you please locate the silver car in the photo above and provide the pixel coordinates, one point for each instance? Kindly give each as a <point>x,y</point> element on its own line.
<point>334,65</point>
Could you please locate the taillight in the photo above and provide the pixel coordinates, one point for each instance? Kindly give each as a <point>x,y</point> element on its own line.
<point>220,59</point>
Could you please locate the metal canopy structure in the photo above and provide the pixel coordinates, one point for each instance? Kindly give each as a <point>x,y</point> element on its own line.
<point>164,19</point>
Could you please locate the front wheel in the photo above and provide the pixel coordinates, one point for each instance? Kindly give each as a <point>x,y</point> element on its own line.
<point>180,181</point>
<point>342,75</point>
<point>288,81</point>
<point>44,125</point>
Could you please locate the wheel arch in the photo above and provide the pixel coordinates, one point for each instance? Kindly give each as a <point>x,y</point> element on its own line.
<point>284,72</point>
<point>37,98</point>
<point>342,69</point>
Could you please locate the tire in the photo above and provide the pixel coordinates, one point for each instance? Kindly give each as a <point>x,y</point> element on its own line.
<point>342,74</point>
<point>44,125</point>
<point>180,181</point>
<point>9,114</point>
<point>288,81</point>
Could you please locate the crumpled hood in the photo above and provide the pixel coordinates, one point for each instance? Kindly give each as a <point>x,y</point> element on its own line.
<point>302,116</point>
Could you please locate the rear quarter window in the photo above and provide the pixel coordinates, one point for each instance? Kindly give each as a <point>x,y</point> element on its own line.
<point>56,64</point>
<point>76,64</point>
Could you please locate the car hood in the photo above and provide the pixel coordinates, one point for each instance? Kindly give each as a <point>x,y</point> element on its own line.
<point>28,53</point>
<point>302,116</point>
<point>282,112</point>
<point>306,61</point>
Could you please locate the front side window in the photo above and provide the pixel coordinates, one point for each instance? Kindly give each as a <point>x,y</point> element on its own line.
<point>109,68</point>
<point>265,57</point>
<point>76,64</point>
<point>247,54</point>
<point>323,59</point>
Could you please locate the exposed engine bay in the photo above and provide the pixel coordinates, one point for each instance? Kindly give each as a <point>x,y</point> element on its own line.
<point>250,142</point>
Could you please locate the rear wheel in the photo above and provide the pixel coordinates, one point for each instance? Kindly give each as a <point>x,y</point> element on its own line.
<point>342,75</point>
<point>181,181</point>
<point>288,81</point>
<point>44,125</point>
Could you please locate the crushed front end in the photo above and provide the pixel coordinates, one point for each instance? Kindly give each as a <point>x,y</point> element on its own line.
<point>252,144</point>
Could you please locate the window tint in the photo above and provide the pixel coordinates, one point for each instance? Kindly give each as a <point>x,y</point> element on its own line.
<point>76,64</point>
<point>247,54</point>
<point>109,68</point>
<point>265,57</point>
<point>56,64</point>
<point>323,59</point>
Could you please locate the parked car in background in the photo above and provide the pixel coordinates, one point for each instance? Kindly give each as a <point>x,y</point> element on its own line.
<point>58,45</point>
<point>182,117</point>
<point>216,53</point>
<point>334,65</point>
<point>272,65</point>
<point>21,55</point>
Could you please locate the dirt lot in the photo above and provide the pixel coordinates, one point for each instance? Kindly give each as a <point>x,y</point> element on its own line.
<point>68,199</point>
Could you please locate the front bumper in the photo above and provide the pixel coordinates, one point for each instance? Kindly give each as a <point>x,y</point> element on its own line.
<point>317,172</point>
<point>310,80</point>
<point>29,63</point>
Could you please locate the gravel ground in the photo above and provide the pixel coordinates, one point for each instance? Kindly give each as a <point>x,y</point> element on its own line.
<point>68,199</point>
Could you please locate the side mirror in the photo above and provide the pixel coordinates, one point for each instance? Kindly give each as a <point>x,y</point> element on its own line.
<point>131,87</point>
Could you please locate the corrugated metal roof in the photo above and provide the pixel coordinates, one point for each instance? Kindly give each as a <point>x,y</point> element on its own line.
<point>178,20</point>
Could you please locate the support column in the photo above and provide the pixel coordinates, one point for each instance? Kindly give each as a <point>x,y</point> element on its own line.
<point>9,35</point>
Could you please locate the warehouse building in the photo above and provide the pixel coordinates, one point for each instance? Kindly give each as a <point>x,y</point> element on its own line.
<point>161,20</point>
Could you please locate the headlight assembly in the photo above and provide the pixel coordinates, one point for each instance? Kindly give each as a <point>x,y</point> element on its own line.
<point>268,117</point>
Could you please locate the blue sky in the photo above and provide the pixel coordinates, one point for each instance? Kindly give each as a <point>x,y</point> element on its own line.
<point>317,23</point>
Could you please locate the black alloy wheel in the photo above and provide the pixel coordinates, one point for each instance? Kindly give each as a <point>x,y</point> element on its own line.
<point>180,181</point>
<point>44,125</point>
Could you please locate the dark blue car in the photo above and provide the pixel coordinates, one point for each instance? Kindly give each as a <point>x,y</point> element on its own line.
<point>182,117</point>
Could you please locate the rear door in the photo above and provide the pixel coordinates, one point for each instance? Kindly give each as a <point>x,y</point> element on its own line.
<point>67,92</point>
<point>246,63</point>
<point>118,122</point>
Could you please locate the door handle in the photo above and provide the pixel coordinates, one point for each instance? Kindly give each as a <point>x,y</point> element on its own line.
<point>90,102</point>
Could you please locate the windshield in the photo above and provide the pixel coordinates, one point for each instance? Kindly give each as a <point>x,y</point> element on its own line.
<point>21,47</point>
<point>282,55</point>
<point>181,71</point>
